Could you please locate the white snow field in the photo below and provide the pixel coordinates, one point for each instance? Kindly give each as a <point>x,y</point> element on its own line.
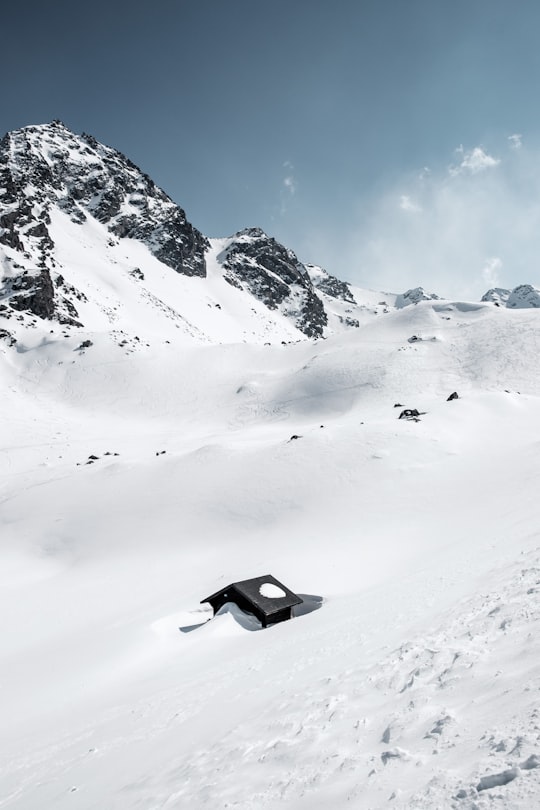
<point>417,682</point>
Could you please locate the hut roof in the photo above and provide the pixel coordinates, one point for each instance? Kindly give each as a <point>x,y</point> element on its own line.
<point>266,593</point>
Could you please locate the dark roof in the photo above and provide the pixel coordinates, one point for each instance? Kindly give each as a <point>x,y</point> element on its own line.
<point>250,589</point>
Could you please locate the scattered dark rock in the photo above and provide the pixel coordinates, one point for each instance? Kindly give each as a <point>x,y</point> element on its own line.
<point>85,344</point>
<point>93,458</point>
<point>294,436</point>
<point>354,323</point>
<point>453,395</point>
<point>392,754</point>
<point>8,337</point>
<point>398,405</point>
<point>497,779</point>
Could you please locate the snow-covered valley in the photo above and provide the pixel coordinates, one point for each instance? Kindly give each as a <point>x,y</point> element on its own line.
<point>414,685</point>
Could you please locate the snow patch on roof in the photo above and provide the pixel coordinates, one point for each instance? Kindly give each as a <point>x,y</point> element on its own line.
<point>271,591</point>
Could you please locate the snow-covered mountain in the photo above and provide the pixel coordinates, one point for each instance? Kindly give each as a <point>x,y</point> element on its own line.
<point>171,444</point>
<point>78,221</point>
<point>88,243</point>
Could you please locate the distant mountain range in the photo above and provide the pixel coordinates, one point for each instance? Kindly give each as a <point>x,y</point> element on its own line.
<point>88,242</point>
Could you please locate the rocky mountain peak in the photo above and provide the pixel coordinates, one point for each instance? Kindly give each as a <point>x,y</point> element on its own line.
<point>46,165</point>
<point>496,295</point>
<point>525,296</point>
<point>414,296</point>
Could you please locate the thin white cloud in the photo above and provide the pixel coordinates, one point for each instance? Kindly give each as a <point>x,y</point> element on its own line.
<point>491,271</point>
<point>474,161</point>
<point>289,187</point>
<point>478,229</point>
<point>290,184</point>
<point>516,141</point>
<point>407,204</point>
<point>289,181</point>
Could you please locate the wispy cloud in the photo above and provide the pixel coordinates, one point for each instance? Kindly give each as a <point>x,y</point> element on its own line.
<point>516,141</point>
<point>491,271</point>
<point>407,204</point>
<point>473,161</point>
<point>453,232</point>
<point>289,181</point>
<point>289,186</point>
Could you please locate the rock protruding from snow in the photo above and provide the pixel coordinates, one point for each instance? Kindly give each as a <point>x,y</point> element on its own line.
<point>497,295</point>
<point>328,284</point>
<point>414,296</point>
<point>524,297</point>
<point>256,262</point>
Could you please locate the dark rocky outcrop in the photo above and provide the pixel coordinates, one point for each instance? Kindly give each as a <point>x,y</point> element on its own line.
<point>36,294</point>
<point>273,274</point>
<point>496,295</point>
<point>7,337</point>
<point>330,285</point>
<point>414,296</point>
<point>525,296</point>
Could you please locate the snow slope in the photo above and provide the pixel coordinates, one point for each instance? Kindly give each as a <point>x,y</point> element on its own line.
<point>416,683</point>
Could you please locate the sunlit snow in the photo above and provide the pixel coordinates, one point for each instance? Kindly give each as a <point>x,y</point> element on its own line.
<point>186,446</point>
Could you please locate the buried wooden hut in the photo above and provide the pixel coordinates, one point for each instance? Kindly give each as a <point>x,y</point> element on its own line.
<point>269,600</point>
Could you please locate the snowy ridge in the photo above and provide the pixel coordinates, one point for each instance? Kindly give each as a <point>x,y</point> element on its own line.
<point>80,223</point>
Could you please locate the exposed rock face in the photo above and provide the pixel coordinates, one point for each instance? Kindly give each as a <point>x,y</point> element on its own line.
<point>36,296</point>
<point>330,285</point>
<point>524,297</point>
<point>497,295</point>
<point>272,273</point>
<point>49,176</point>
<point>49,165</point>
<point>414,296</point>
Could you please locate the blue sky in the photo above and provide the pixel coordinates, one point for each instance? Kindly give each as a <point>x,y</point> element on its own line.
<point>374,137</point>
